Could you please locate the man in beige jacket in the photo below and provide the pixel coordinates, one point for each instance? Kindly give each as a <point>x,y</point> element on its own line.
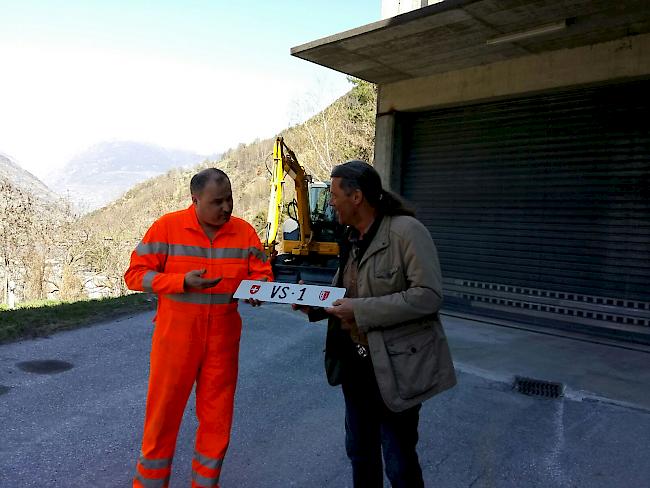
<point>385,343</point>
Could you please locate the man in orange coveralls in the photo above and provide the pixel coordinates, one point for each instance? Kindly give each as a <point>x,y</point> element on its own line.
<point>194,259</point>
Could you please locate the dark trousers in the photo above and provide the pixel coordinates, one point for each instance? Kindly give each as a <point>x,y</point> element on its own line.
<point>371,427</point>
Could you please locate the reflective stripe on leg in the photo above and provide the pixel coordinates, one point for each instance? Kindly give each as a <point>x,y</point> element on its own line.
<point>208,462</point>
<point>160,463</point>
<point>152,472</point>
<point>206,470</point>
<point>204,481</point>
<point>150,482</point>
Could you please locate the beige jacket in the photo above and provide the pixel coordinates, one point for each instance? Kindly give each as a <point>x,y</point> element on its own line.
<point>400,293</point>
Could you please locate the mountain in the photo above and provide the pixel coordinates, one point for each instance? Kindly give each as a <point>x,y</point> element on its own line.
<point>24,180</point>
<point>106,170</point>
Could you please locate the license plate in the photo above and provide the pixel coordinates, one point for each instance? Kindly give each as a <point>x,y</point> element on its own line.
<point>313,295</point>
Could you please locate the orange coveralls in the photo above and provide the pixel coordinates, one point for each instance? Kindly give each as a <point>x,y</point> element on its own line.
<point>196,338</point>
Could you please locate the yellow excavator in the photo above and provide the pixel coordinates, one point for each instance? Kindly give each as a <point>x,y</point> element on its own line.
<point>309,250</point>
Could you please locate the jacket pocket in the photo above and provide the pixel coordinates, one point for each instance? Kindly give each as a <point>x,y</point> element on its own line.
<point>386,273</point>
<point>386,280</point>
<point>231,276</point>
<point>175,264</point>
<point>413,360</point>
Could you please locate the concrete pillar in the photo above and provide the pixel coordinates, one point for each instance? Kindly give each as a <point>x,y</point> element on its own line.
<point>390,8</point>
<point>385,162</point>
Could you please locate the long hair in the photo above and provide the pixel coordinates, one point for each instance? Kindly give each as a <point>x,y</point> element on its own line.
<point>359,175</point>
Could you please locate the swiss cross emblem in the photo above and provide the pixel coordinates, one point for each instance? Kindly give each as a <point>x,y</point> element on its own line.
<point>323,295</point>
<point>254,289</point>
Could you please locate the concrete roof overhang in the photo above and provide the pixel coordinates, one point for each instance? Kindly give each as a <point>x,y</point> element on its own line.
<point>458,34</point>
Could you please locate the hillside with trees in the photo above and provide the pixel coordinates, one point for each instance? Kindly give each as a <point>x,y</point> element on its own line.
<point>88,254</point>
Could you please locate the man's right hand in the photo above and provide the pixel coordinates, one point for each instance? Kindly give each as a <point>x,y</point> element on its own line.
<point>193,279</point>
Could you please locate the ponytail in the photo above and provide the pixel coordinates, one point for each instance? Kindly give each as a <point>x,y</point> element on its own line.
<point>392,204</point>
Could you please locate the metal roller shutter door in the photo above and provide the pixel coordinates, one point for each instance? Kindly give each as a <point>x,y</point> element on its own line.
<point>540,206</point>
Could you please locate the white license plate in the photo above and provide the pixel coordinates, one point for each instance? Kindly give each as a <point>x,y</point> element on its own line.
<point>313,295</point>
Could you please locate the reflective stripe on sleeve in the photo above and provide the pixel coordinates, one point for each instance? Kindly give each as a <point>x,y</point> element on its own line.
<point>210,463</point>
<point>202,298</point>
<point>205,482</point>
<point>147,281</point>
<point>258,254</point>
<point>152,482</point>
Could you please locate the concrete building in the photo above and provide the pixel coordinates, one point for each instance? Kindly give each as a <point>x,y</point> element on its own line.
<point>520,129</point>
<point>391,8</point>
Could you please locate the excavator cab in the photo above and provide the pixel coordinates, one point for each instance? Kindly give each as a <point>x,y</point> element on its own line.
<point>323,218</point>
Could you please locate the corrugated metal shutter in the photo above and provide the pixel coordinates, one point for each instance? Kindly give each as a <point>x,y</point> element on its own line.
<point>540,206</point>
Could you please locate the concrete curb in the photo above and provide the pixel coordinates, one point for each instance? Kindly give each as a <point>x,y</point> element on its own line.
<point>506,382</point>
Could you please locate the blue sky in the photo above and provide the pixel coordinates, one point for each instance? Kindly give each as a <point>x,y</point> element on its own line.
<point>197,75</point>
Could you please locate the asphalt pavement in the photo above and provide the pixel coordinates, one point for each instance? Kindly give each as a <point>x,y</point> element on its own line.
<point>80,425</point>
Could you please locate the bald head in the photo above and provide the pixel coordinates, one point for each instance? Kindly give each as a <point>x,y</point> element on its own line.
<point>202,178</point>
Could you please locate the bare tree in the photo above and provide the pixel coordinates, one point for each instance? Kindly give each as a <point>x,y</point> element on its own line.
<point>344,130</point>
<point>16,233</point>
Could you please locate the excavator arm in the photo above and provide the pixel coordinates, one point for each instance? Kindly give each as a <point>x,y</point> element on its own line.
<point>285,162</point>
<point>312,258</point>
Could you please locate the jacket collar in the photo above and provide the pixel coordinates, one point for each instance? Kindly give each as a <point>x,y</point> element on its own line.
<point>380,241</point>
<point>191,221</point>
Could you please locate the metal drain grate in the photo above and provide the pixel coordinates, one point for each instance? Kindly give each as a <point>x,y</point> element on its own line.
<point>539,388</point>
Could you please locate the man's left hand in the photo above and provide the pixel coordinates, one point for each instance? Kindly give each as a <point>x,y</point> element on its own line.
<point>342,308</point>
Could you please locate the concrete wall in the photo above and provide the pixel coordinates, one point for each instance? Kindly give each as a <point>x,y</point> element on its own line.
<point>625,58</point>
<point>611,61</point>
